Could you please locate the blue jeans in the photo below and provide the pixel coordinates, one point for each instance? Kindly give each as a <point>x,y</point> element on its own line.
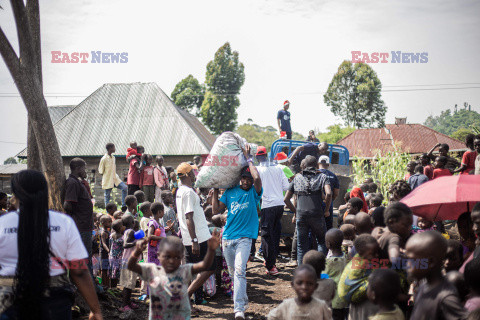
<point>236,253</point>
<point>314,223</point>
<point>122,186</point>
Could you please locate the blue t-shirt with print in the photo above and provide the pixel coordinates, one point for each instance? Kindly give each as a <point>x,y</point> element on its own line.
<point>242,217</point>
<point>284,117</point>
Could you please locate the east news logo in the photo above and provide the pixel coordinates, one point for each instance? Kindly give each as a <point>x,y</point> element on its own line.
<point>92,57</point>
<point>385,57</point>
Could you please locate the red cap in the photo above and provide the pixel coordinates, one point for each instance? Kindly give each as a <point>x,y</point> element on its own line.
<point>281,157</point>
<point>286,103</point>
<point>261,151</point>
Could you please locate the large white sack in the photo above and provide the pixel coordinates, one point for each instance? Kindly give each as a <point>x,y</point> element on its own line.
<point>223,165</point>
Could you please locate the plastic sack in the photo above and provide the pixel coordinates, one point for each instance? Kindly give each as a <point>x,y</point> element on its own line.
<point>210,286</point>
<point>223,165</point>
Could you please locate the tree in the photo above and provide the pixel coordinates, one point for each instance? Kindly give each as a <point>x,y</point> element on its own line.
<point>354,94</point>
<point>461,134</point>
<point>26,71</point>
<point>335,133</point>
<point>188,94</point>
<point>448,122</point>
<point>224,78</point>
<point>262,136</point>
<point>10,160</point>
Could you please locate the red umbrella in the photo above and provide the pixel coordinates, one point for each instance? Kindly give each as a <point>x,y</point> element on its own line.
<point>444,198</point>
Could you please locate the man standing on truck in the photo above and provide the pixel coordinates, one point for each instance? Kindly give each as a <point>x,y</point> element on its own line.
<point>309,148</point>
<point>283,119</point>
<point>274,182</point>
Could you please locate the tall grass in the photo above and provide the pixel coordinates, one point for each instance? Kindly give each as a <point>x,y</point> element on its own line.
<point>383,169</point>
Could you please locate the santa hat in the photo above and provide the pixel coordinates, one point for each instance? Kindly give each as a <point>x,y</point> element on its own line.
<point>281,157</point>
<point>286,103</point>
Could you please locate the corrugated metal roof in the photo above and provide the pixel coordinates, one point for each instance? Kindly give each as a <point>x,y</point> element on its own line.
<point>411,138</point>
<point>125,112</point>
<point>58,112</point>
<point>12,168</point>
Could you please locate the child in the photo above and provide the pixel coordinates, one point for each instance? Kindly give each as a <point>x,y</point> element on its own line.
<point>219,221</point>
<point>436,298</point>
<point>443,148</point>
<point>168,283</point>
<point>377,211</point>
<point>348,231</point>
<point>353,283</point>
<point>335,263</point>
<point>132,151</point>
<point>423,225</point>
<point>383,289</point>
<point>131,203</point>
<point>410,169</point>
<point>116,252</point>
<point>354,206</point>
<point>147,180</point>
<point>140,196</point>
<point>440,170</point>
<point>457,279</point>
<point>472,278</point>
<point>392,238</point>
<point>106,223</point>
<point>111,208</point>
<point>363,223</point>
<point>326,288</point>
<point>145,207</point>
<point>468,158</point>
<point>304,306</point>
<point>128,279</point>
<point>372,186</point>
<point>427,167</point>
<point>173,182</point>
<point>170,215</point>
<point>161,178</point>
<point>117,215</point>
<point>157,211</point>
<point>454,256</point>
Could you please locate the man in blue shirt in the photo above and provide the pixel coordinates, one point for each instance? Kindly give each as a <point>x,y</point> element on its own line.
<point>323,164</point>
<point>283,119</point>
<point>241,227</point>
<point>418,178</point>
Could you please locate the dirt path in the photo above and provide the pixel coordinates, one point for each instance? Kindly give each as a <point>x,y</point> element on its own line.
<point>264,293</point>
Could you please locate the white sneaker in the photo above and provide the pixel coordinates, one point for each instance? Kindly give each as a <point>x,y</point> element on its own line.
<point>239,315</point>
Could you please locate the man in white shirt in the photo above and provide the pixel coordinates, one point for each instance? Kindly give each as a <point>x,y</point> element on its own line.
<point>108,169</point>
<point>193,226</point>
<point>274,183</point>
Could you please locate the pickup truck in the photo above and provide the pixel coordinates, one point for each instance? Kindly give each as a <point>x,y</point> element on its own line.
<point>339,164</point>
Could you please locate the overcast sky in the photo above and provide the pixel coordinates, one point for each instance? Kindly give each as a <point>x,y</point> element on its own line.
<point>290,49</point>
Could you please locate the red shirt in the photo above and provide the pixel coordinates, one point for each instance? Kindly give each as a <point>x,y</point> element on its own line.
<point>133,175</point>
<point>441,173</point>
<point>146,177</point>
<point>428,171</point>
<point>469,160</point>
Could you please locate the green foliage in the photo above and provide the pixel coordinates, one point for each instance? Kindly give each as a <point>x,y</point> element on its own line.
<point>224,78</point>
<point>188,94</point>
<point>354,94</point>
<point>462,133</point>
<point>10,160</point>
<point>262,136</point>
<point>384,169</point>
<point>448,122</point>
<point>334,133</point>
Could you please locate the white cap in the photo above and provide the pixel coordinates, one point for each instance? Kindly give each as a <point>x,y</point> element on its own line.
<point>324,159</point>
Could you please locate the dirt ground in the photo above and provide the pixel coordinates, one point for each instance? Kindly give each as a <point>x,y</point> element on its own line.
<point>264,293</point>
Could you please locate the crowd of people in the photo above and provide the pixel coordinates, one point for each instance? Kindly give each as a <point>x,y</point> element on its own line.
<point>179,244</point>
